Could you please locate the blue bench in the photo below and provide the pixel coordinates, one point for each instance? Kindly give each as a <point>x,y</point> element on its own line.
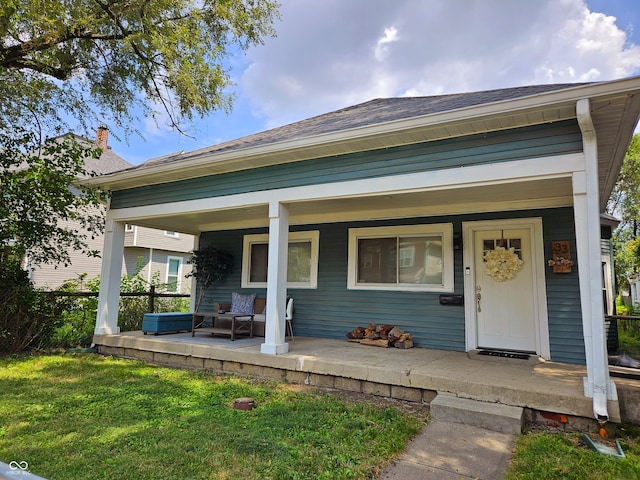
<point>172,322</point>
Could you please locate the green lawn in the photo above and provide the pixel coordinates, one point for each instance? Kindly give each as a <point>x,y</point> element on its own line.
<point>562,456</point>
<point>94,417</point>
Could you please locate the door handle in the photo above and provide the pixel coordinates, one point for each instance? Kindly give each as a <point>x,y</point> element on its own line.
<point>478,298</point>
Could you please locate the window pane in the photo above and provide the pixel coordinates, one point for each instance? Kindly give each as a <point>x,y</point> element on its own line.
<point>174,265</point>
<point>173,273</point>
<point>259,260</point>
<point>420,260</point>
<point>299,266</point>
<point>377,260</point>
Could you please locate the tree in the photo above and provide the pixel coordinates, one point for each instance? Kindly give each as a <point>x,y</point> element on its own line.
<point>73,64</point>
<point>37,195</point>
<point>210,265</point>
<point>58,59</point>
<point>624,203</point>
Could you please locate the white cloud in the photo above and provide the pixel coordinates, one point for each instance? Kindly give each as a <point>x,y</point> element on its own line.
<point>336,53</point>
<point>382,47</point>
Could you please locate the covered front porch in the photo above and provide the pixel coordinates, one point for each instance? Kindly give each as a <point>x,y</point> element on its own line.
<point>416,374</point>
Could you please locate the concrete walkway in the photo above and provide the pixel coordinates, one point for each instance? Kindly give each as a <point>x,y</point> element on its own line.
<point>453,451</point>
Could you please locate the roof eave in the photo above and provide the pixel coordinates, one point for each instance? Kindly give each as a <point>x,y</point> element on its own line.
<point>545,107</point>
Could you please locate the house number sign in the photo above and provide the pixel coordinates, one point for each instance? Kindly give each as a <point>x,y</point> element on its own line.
<point>561,261</point>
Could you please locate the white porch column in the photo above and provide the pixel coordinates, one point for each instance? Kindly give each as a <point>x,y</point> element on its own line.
<point>274,330</point>
<point>587,220</point>
<point>109,298</point>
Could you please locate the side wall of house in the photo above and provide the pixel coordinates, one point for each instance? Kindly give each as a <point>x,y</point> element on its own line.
<point>331,310</point>
<point>159,239</point>
<point>52,276</point>
<point>135,257</point>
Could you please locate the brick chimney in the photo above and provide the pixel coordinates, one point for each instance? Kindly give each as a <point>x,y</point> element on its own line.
<point>102,138</point>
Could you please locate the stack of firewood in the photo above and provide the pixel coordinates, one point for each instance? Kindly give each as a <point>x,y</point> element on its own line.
<point>381,336</point>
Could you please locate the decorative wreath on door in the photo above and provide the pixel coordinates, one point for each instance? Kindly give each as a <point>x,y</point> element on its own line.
<point>502,264</point>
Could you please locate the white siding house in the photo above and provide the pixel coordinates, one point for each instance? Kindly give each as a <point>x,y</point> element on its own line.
<point>146,249</point>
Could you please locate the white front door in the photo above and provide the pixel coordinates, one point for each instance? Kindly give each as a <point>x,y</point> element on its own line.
<point>505,313</point>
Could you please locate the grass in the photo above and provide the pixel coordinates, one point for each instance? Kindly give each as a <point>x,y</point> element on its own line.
<point>94,417</point>
<point>546,455</point>
<point>629,343</point>
<point>562,455</point>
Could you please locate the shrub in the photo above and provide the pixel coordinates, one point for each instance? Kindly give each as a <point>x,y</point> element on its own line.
<point>28,316</point>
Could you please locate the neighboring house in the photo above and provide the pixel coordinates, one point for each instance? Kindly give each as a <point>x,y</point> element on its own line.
<point>161,253</point>
<point>394,211</point>
<point>166,252</point>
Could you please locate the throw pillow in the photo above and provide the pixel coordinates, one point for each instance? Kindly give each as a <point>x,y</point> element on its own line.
<point>242,303</point>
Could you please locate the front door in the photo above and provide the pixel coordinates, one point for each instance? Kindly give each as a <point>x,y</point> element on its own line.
<point>504,304</point>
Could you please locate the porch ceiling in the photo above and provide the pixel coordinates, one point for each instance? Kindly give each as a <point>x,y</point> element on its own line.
<point>555,192</point>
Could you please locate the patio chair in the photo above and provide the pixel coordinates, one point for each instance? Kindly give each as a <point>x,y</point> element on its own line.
<point>288,318</point>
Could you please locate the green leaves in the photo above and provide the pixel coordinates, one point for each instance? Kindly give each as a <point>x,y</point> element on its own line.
<point>160,56</point>
<point>42,213</point>
<point>624,203</point>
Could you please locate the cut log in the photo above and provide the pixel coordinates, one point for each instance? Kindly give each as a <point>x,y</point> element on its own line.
<point>408,343</point>
<point>375,343</point>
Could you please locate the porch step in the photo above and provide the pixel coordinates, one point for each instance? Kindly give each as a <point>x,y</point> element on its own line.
<point>491,416</point>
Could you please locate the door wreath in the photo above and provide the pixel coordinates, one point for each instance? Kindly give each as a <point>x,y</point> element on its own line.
<point>502,264</point>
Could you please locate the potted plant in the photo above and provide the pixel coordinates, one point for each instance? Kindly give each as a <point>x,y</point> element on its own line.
<point>210,265</point>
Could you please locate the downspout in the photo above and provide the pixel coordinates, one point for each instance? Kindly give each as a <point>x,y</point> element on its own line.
<point>598,385</point>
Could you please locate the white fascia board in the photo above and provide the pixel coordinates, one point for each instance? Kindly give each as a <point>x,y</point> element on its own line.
<point>503,108</point>
<point>474,176</point>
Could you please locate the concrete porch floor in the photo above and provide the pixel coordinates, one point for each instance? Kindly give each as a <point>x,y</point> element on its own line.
<point>415,374</point>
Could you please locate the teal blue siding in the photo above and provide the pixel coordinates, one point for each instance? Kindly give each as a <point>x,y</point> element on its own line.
<point>331,310</point>
<point>508,145</point>
<point>563,293</point>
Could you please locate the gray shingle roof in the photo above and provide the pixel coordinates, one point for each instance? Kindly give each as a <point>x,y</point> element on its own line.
<point>373,112</point>
<point>108,162</point>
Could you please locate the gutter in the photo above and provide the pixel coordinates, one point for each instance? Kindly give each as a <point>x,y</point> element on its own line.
<point>598,384</point>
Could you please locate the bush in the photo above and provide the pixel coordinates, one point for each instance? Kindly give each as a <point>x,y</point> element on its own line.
<point>28,316</point>
<point>79,319</point>
<point>32,319</point>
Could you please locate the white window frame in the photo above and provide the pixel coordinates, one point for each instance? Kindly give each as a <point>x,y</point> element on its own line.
<point>179,279</point>
<point>312,236</point>
<point>445,230</point>
<point>171,233</point>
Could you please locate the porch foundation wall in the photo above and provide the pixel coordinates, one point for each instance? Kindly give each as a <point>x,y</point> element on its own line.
<point>409,394</point>
<point>495,381</point>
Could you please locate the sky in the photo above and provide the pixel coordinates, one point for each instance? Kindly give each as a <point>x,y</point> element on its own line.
<point>330,54</point>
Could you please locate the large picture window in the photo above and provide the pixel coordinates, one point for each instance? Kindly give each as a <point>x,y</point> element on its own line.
<point>408,257</point>
<point>302,260</point>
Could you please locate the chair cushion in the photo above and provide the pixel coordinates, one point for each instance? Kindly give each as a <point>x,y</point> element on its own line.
<point>242,303</point>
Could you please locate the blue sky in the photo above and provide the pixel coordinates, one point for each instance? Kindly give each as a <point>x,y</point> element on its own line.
<point>330,54</point>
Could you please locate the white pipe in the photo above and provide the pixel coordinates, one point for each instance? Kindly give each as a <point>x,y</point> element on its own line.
<point>598,381</point>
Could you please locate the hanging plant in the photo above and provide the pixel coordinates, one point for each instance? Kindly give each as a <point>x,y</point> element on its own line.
<point>210,265</point>
<point>502,264</point>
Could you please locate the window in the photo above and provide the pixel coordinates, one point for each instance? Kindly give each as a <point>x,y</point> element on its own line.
<point>302,261</point>
<point>410,257</point>
<point>171,234</point>
<point>174,267</point>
